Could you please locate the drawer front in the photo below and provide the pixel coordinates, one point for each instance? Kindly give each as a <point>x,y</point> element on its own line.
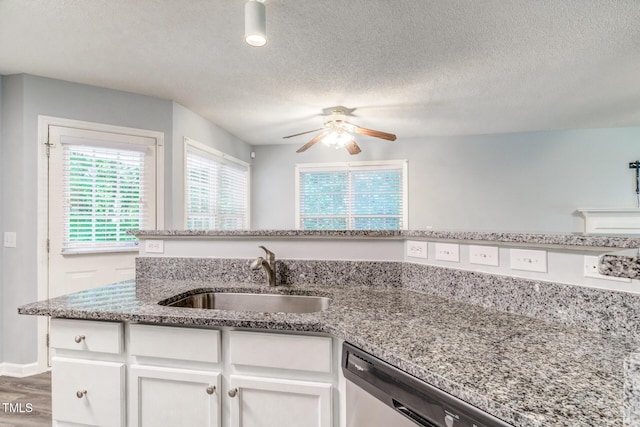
<point>296,352</point>
<point>87,335</point>
<point>88,392</point>
<point>167,342</point>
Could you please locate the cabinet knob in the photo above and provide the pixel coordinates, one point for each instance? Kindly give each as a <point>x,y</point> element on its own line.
<point>232,393</point>
<point>211,389</point>
<point>81,393</point>
<point>79,338</point>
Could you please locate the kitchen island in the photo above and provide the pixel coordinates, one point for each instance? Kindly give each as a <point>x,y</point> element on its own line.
<point>525,371</point>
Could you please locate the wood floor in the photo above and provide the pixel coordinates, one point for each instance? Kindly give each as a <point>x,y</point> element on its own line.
<point>15,393</point>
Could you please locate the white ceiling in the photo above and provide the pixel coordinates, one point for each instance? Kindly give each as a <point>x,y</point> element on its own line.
<point>411,67</point>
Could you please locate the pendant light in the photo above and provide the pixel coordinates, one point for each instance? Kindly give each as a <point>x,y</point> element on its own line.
<point>255,26</point>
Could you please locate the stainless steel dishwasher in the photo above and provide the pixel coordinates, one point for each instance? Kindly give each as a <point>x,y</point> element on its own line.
<point>381,395</point>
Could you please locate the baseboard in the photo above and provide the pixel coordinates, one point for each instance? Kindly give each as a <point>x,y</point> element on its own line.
<point>18,370</point>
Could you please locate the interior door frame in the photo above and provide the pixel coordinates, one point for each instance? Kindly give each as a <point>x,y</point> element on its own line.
<point>42,228</point>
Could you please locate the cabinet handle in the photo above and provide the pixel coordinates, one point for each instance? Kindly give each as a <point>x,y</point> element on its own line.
<point>79,338</point>
<point>211,389</point>
<point>232,393</point>
<point>81,393</point>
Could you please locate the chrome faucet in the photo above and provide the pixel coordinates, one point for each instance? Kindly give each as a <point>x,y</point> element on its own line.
<point>269,265</point>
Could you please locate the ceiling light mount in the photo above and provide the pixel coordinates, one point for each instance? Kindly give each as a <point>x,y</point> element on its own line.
<point>255,23</point>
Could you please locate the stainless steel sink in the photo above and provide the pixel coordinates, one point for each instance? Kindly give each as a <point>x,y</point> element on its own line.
<point>272,303</point>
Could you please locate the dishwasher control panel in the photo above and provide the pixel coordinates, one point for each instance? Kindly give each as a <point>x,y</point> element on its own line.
<point>421,402</point>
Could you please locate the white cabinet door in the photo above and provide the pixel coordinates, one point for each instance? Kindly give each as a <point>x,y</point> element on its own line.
<point>88,392</point>
<point>169,397</point>
<point>270,402</point>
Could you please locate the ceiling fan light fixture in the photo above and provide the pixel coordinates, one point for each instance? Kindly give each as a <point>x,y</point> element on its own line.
<point>255,23</point>
<point>337,139</point>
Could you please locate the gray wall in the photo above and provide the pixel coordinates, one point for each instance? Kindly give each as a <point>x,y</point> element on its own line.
<point>1,229</point>
<point>188,124</point>
<point>529,182</point>
<point>26,97</point>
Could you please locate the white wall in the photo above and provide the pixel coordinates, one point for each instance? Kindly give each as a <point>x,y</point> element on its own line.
<point>188,124</point>
<point>26,97</point>
<point>526,182</point>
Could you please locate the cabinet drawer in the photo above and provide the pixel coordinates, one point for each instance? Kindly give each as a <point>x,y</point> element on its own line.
<point>87,335</point>
<point>104,400</point>
<point>199,345</point>
<point>297,352</point>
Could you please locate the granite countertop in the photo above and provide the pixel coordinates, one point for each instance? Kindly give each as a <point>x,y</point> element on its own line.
<point>624,263</point>
<point>566,240</point>
<point>525,371</point>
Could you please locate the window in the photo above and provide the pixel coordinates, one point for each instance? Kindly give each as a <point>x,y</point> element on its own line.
<point>105,189</point>
<point>217,189</point>
<point>352,196</point>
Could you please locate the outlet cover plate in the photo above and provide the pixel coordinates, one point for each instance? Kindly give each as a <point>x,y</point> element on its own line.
<point>416,249</point>
<point>591,270</point>
<point>154,246</point>
<point>484,255</point>
<point>528,260</point>
<point>448,252</point>
<point>10,239</point>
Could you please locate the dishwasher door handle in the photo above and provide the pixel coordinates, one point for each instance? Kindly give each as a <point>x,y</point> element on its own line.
<point>413,415</point>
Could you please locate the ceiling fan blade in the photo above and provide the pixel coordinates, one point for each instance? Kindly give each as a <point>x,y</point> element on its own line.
<point>308,145</point>
<point>374,133</point>
<point>352,148</point>
<point>301,133</point>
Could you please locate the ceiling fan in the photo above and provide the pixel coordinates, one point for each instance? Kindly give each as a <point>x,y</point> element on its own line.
<point>338,132</point>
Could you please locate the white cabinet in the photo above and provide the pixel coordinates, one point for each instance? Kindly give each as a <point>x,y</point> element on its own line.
<point>115,375</point>
<point>171,397</point>
<point>88,373</point>
<point>273,402</point>
<point>165,389</point>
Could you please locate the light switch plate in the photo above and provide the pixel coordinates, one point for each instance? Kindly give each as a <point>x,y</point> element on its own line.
<point>528,260</point>
<point>416,249</point>
<point>591,270</point>
<point>154,246</point>
<point>10,239</point>
<point>484,255</point>
<point>448,252</point>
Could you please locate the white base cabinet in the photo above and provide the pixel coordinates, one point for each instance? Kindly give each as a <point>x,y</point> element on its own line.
<point>169,397</point>
<point>111,374</point>
<point>271,402</point>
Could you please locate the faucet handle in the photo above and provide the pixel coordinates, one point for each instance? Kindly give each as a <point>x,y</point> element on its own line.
<point>270,255</point>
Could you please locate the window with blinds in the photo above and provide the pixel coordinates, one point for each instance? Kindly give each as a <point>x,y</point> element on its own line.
<point>217,190</point>
<point>103,193</point>
<point>351,196</point>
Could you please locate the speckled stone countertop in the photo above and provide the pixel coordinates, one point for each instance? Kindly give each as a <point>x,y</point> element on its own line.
<point>525,371</point>
<point>552,240</point>
<point>621,264</point>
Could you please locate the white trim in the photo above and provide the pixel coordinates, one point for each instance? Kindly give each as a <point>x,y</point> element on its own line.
<point>217,153</point>
<point>21,370</point>
<point>42,228</point>
<point>210,150</point>
<point>339,166</point>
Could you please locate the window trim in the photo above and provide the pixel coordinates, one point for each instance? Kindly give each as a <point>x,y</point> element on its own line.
<point>341,166</point>
<point>188,142</point>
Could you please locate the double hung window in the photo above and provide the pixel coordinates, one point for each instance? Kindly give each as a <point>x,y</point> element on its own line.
<point>352,196</point>
<point>217,189</point>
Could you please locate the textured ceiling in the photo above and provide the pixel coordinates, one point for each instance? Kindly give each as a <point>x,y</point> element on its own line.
<point>415,68</point>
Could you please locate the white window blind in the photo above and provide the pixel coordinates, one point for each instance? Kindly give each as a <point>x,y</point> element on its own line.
<point>104,192</point>
<point>217,190</point>
<point>351,196</point>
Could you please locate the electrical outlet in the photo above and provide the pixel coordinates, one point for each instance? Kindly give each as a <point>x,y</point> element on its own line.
<point>448,252</point>
<point>416,249</point>
<point>154,246</point>
<point>9,239</point>
<point>591,270</point>
<point>485,255</point>
<point>528,260</point>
